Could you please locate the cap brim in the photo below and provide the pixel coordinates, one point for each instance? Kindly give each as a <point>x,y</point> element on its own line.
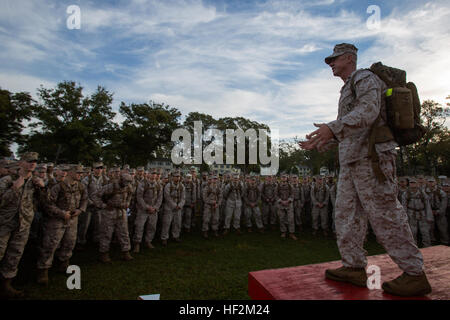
<point>334,55</point>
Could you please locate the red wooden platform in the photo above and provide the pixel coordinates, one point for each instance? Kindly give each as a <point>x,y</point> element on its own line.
<point>308,282</point>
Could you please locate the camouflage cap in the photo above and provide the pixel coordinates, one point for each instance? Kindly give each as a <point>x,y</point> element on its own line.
<point>30,156</point>
<point>175,173</point>
<point>153,171</point>
<point>412,179</point>
<point>127,178</point>
<point>431,179</point>
<point>204,173</point>
<point>188,176</point>
<point>446,183</point>
<point>126,167</point>
<point>41,167</point>
<point>141,168</point>
<point>50,165</point>
<point>64,167</point>
<point>133,171</point>
<point>78,168</point>
<point>340,49</point>
<point>193,169</point>
<point>114,169</point>
<point>96,165</point>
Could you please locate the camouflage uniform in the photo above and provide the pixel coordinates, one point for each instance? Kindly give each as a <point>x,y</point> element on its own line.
<point>149,194</point>
<point>174,196</point>
<point>320,196</point>
<point>92,183</point>
<point>299,202</point>
<point>189,204</point>
<point>333,192</point>
<point>416,204</point>
<point>60,235</point>
<point>269,204</point>
<point>212,196</point>
<point>251,195</point>
<point>360,196</point>
<point>113,200</point>
<point>233,204</point>
<point>285,210</point>
<point>438,202</point>
<point>16,216</point>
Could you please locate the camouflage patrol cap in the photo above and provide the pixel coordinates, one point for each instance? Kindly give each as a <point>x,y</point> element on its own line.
<point>50,165</point>
<point>30,157</point>
<point>126,167</point>
<point>193,169</point>
<point>431,179</point>
<point>175,173</point>
<point>154,171</point>
<point>133,171</point>
<point>114,169</point>
<point>204,173</point>
<point>64,167</point>
<point>446,183</point>
<point>142,169</point>
<point>76,168</point>
<point>188,176</point>
<point>412,179</point>
<point>41,167</point>
<point>340,49</point>
<point>97,165</point>
<point>126,177</point>
<point>402,179</point>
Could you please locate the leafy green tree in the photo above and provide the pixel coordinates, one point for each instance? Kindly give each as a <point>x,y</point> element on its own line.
<point>70,127</point>
<point>145,134</point>
<point>14,109</point>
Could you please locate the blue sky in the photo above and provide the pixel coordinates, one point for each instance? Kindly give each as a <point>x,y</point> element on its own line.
<point>259,59</point>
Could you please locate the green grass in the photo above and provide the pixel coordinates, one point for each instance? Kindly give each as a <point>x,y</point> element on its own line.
<point>195,269</point>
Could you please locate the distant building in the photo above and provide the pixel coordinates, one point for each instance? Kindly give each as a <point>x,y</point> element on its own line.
<point>224,168</point>
<point>303,170</point>
<point>166,164</point>
<point>324,171</point>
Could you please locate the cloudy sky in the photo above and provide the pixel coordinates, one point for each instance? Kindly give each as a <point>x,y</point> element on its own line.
<point>258,59</point>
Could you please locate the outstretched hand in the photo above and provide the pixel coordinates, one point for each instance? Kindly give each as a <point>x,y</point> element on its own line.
<point>317,139</point>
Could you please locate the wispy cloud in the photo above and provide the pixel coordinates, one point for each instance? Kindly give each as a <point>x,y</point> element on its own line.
<point>261,60</point>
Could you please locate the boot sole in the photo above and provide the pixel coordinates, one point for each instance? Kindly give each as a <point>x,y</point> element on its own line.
<point>419,293</point>
<point>335,278</point>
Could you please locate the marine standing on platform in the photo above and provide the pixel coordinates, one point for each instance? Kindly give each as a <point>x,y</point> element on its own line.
<point>367,189</point>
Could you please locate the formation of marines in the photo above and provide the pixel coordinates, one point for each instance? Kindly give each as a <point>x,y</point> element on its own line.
<point>61,207</point>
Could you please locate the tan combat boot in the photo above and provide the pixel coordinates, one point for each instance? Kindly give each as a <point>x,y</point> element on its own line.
<point>407,285</point>
<point>104,257</point>
<point>137,247</point>
<point>126,256</point>
<point>292,236</point>
<point>355,276</point>
<point>249,230</point>
<point>63,265</point>
<point>42,277</point>
<point>149,245</point>
<point>7,291</point>
<point>283,235</point>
